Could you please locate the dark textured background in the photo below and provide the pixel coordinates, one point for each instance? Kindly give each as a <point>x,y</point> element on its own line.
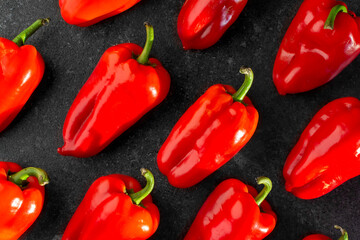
<point>71,53</point>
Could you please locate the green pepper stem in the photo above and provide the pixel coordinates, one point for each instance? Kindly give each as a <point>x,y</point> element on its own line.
<point>266,190</point>
<point>20,177</point>
<point>345,235</point>
<point>144,56</point>
<point>330,21</point>
<point>143,193</point>
<point>245,87</point>
<point>24,35</point>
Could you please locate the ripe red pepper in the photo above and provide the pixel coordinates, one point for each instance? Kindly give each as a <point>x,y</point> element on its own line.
<point>320,42</point>
<point>323,237</point>
<point>201,23</point>
<point>21,70</point>
<point>115,207</point>
<point>84,13</point>
<point>232,211</point>
<point>124,86</point>
<point>328,151</point>
<point>22,198</point>
<point>209,134</point>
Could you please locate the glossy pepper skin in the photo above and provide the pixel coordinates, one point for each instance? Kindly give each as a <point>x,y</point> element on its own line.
<point>22,198</point>
<point>320,42</point>
<point>328,151</point>
<point>21,70</point>
<point>84,13</point>
<point>115,207</point>
<point>232,212</point>
<point>121,89</point>
<point>209,134</point>
<point>201,23</point>
<point>323,237</point>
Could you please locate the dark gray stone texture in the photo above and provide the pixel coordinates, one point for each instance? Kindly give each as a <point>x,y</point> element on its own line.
<point>71,53</point>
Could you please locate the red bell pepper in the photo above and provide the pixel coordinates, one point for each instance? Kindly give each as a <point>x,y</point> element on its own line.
<point>84,13</point>
<point>22,198</point>
<point>322,40</point>
<point>21,70</point>
<point>232,211</point>
<point>209,134</point>
<point>328,151</point>
<point>115,207</point>
<point>124,86</point>
<point>201,23</point>
<point>323,237</point>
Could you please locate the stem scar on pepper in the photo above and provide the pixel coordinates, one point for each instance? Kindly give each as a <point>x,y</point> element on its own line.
<point>24,35</point>
<point>143,193</point>
<point>20,178</point>
<point>265,191</point>
<point>330,21</point>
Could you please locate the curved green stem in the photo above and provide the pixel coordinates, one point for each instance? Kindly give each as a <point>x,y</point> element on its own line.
<point>144,56</point>
<point>143,193</point>
<point>20,177</point>
<point>266,190</point>
<point>345,235</point>
<point>330,21</point>
<point>24,35</point>
<point>245,87</point>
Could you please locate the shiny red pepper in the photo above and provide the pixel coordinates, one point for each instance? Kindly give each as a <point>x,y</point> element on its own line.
<point>115,207</point>
<point>323,237</point>
<point>21,70</point>
<point>328,151</point>
<point>201,23</point>
<point>124,86</point>
<point>232,211</point>
<point>322,40</point>
<point>84,13</point>
<point>21,198</point>
<point>209,134</point>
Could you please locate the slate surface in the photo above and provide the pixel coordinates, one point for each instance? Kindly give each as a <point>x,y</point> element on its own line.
<point>71,53</point>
